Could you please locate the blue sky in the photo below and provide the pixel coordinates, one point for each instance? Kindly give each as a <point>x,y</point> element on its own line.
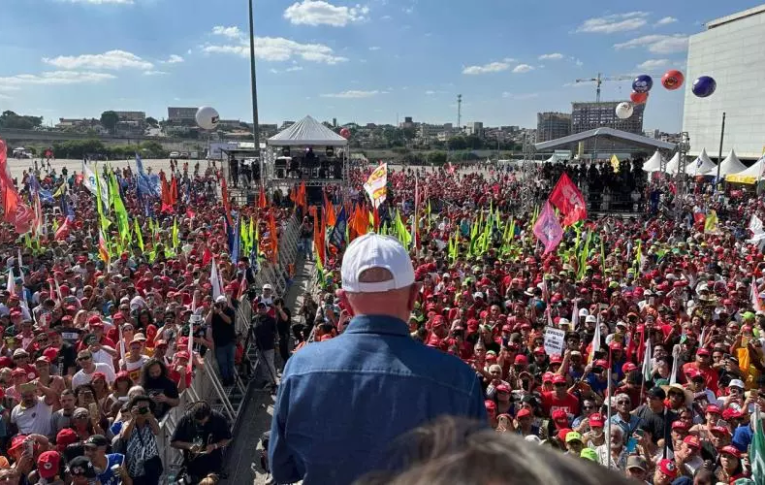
<point>357,61</point>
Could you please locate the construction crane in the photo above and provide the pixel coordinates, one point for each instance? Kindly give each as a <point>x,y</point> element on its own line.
<point>600,80</point>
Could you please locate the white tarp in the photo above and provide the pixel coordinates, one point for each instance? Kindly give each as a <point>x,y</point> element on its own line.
<point>701,165</point>
<point>754,172</point>
<point>307,132</point>
<point>673,164</point>
<point>654,163</point>
<point>729,166</point>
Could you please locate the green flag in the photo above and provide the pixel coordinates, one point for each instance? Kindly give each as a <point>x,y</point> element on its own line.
<point>138,234</point>
<point>119,209</point>
<point>757,449</point>
<point>176,242</point>
<point>105,223</point>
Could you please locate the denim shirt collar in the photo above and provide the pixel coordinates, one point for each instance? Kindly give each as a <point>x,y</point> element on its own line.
<point>379,324</point>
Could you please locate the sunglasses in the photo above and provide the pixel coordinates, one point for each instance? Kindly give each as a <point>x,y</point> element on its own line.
<point>622,402</point>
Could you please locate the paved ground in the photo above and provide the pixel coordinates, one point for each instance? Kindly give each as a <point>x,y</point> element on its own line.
<point>246,446</point>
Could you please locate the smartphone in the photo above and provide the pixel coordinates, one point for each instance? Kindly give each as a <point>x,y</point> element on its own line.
<point>631,444</point>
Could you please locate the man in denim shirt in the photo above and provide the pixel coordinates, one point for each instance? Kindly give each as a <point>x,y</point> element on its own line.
<point>343,402</point>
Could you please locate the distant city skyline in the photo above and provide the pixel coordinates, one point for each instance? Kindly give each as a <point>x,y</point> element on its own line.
<point>369,61</point>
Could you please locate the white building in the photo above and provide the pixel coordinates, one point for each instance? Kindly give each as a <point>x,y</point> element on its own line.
<point>732,52</point>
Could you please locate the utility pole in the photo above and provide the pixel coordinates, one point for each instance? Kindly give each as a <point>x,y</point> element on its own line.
<point>255,122</point>
<point>719,154</point>
<point>459,112</point>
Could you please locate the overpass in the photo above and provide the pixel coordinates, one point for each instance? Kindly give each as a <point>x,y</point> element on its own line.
<point>45,139</point>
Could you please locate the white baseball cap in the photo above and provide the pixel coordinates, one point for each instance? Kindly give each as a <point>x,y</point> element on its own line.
<point>375,251</point>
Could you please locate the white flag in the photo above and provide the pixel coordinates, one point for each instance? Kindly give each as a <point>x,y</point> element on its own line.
<point>675,364</point>
<point>647,361</point>
<point>89,181</point>
<point>596,339</point>
<point>217,284</point>
<point>755,225</point>
<point>575,316</point>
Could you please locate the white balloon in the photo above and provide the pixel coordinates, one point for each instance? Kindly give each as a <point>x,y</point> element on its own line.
<point>624,110</point>
<point>207,118</point>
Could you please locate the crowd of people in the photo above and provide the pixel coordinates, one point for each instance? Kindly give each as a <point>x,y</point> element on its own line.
<point>658,369</point>
<point>104,330</point>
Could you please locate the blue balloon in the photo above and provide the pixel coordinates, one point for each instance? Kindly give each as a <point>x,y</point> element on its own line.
<point>642,84</point>
<point>704,87</point>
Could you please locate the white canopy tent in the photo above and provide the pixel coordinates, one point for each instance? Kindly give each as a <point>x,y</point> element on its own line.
<point>653,164</point>
<point>729,166</point>
<point>749,176</point>
<point>307,132</point>
<point>673,165</point>
<point>702,165</point>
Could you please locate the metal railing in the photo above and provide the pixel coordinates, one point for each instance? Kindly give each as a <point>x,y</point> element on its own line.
<point>206,384</point>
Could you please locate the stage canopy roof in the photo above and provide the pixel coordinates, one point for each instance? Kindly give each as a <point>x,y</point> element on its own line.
<point>609,134</point>
<point>307,132</point>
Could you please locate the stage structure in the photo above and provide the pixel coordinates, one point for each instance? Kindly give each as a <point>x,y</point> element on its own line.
<point>306,152</point>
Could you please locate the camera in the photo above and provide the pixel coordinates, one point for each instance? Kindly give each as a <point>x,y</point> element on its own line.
<point>143,411</point>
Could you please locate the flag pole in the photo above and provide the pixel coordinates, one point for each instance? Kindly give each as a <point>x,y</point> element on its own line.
<point>610,398</point>
<point>719,156</point>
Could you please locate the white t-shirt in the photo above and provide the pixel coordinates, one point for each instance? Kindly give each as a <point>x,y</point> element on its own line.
<point>134,368</point>
<point>81,377</point>
<point>35,419</point>
<point>103,357</point>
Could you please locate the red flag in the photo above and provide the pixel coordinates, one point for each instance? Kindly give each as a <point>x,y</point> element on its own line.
<point>167,197</point>
<point>329,211</point>
<point>569,200</point>
<point>16,213</point>
<point>63,231</point>
<point>274,238</point>
<point>206,257</point>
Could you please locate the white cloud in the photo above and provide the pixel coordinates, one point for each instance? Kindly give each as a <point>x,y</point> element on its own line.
<point>374,48</point>
<point>653,64</point>
<point>319,12</point>
<point>102,2</point>
<point>614,23</point>
<point>521,68</point>
<point>111,60</point>
<point>13,83</point>
<point>666,21</point>
<point>230,32</point>
<point>175,59</point>
<point>278,49</point>
<point>155,73</point>
<point>353,94</point>
<point>555,56</point>
<point>430,93</point>
<point>658,44</point>
<point>293,69</point>
<point>3,96</point>
<point>486,68</point>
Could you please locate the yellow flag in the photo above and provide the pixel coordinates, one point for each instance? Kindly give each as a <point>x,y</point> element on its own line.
<point>710,225</point>
<point>615,163</point>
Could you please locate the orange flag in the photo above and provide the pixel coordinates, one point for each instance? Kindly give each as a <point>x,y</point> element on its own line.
<point>329,210</point>
<point>274,238</point>
<point>302,197</point>
<point>318,237</point>
<point>262,202</point>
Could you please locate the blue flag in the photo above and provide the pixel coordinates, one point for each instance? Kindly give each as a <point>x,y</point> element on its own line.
<point>147,184</point>
<point>237,243</point>
<point>337,238</point>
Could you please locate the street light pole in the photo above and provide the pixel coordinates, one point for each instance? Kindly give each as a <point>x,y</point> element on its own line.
<point>255,124</point>
<point>719,154</point>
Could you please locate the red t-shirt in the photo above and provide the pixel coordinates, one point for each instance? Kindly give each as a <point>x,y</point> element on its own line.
<point>550,403</point>
<point>710,375</point>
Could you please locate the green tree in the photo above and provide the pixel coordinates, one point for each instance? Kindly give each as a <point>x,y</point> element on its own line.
<point>152,149</point>
<point>11,120</point>
<point>457,143</point>
<point>437,158</point>
<point>109,120</point>
<point>151,121</point>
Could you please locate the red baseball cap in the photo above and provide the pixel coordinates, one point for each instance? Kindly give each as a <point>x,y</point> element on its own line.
<point>712,409</point>
<point>521,359</point>
<point>680,425</point>
<point>703,351</point>
<point>49,464</point>
<point>730,450</point>
<point>692,441</point>
<point>560,417</point>
<point>596,421</point>
<point>558,379</point>
<point>668,468</point>
<point>523,413</point>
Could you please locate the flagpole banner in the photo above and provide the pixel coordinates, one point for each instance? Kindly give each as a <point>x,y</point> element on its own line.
<point>547,229</point>
<point>567,197</point>
<point>376,185</point>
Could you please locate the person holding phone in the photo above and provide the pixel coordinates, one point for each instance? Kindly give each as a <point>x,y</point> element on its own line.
<point>144,464</point>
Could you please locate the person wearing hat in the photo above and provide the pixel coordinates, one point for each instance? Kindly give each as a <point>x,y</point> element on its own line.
<point>49,468</point>
<point>574,443</point>
<point>222,319</point>
<point>81,470</point>
<point>666,472</point>
<point>730,468</point>
<point>688,456</point>
<point>374,364</point>
<point>637,468</point>
<point>32,414</point>
<point>703,366</point>
<point>560,398</point>
<point>110,467</point>
<point>135,358</point>
<point>655,416</point>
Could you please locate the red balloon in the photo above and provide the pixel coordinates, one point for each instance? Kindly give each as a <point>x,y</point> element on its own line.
<point>638,98</point>
<point>345,133</point>
<point>672,79</point>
